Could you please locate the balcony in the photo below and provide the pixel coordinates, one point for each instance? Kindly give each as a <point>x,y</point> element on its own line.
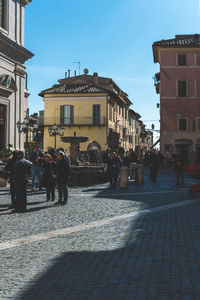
<point>76,121</point>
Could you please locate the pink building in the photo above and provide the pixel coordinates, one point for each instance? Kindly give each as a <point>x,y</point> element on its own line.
<point>178,84</point>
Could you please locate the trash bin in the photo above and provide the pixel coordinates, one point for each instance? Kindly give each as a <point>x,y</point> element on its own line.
<point>132,170</point>
<point>139,179</point>
<point>123,177</point>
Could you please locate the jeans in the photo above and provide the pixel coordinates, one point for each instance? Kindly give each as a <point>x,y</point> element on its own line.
<point>36,172</point>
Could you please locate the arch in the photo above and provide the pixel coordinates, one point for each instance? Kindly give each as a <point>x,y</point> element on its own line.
<point>94,146</point>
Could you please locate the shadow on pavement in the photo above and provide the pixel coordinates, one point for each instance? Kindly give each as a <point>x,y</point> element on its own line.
<point>159,260</point>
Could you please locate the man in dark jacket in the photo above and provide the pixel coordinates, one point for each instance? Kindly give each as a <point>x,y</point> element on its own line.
<point>114,164</point>
<point>62,175</point>
<point>21,172</point>
<point>154,165</point>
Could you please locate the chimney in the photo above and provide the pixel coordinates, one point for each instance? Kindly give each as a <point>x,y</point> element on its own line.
<point>69,73</point>
<point>95,76</point>
<point>75,73</point>
<point>65,74</point>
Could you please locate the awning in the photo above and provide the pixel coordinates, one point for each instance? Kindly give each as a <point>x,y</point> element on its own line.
<point>183,142</point>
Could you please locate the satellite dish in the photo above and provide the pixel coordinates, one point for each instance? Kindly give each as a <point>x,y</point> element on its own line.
<point>85,71</point>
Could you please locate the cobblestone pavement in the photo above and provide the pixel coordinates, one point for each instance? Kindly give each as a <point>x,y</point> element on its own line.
<point>152,256</point>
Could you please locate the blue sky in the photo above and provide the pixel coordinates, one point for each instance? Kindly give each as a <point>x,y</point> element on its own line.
<point>111,37</point>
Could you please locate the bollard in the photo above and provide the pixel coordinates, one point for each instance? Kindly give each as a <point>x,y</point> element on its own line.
<point>140,175</point>
<point>123,177</point>
<point>132,170</point>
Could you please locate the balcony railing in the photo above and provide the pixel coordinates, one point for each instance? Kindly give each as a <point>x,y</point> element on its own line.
<point>76,121</point>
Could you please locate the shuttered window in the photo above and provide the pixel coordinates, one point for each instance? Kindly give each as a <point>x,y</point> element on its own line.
<point>181,60</point>
<point>96,114</point>
<point>66,114</point>
<point>183,124</point>
<point>182,88</point>
<point>3,14</point>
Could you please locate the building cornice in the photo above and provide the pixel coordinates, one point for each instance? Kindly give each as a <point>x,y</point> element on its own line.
<point>25,2</point>
<point>14,50</point>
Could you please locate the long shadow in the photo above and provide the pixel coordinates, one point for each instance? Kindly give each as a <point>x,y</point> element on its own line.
<point>29,210</point>
<point>157,261</point>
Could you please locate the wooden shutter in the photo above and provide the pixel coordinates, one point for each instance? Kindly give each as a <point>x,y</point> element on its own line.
<point>62,114</point>
<point>71,114</point>
<point>182,84</point>
<point>96,113</point>
<point>182,60</point>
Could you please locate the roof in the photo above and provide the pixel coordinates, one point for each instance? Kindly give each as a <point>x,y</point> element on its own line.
<point>180,41</point>
<point>74,89</point>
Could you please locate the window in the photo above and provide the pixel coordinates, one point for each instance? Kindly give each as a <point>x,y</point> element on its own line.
<point>96,114</point>
<point>3,14</point>
<point>67,114</point>
<point>181,60</point>
<point>182,124</point>
<point>198,60</point>
<point>182,88</point>
<point>198,124</point>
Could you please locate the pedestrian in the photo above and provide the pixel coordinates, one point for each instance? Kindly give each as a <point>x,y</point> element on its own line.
<point>131,156</point>
<point>114,164</point>
<point>9,168</point>
<point>48,178</point>
<point>21,172</point>
<point>37,159</point>
<point>179,166</point>
<point>154,164</point>
<point>62,177</point>
<point>161,158</point>
<point>106,155</point>
<point>66,156</point>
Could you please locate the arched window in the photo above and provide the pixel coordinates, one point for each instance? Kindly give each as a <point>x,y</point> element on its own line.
<point>4,14</point>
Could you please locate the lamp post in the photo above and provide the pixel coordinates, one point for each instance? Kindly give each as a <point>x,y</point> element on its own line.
<point>24,127</point>
<point>54,131</point>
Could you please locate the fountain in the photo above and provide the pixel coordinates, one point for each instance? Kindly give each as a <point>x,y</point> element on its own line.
<point>74,146</point>
<point>82,174</point>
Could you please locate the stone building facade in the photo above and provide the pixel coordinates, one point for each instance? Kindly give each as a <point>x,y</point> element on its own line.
<point>13,55</point>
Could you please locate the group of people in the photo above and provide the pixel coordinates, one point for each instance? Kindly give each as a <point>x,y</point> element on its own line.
<point>51,168</point>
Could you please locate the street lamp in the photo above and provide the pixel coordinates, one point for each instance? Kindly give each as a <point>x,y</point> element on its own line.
<point>54,131</point>
<point>24,127</point>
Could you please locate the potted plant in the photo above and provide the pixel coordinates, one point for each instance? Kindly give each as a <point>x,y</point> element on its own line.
<point>5,153</point>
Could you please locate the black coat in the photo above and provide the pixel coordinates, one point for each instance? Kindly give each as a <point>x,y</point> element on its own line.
<point>49,172</point>
<point>62,171</point>
<point>114,165</point>
<point>21,172</point>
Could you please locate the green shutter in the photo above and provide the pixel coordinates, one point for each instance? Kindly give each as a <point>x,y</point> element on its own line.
<point>71,114</point>
<point>62,114</point>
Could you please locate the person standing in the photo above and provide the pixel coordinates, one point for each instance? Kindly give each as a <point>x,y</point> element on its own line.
<point>48,178</point>
<point>21,172</point>
<point>154,164</point>
<point>37,159</point>
<point>179,167</point>
<point>9,168</point>
<point>62,176</point>
<point>114,164</point>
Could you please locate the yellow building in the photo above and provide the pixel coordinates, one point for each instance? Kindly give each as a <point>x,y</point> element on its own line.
<point>91,106</point>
